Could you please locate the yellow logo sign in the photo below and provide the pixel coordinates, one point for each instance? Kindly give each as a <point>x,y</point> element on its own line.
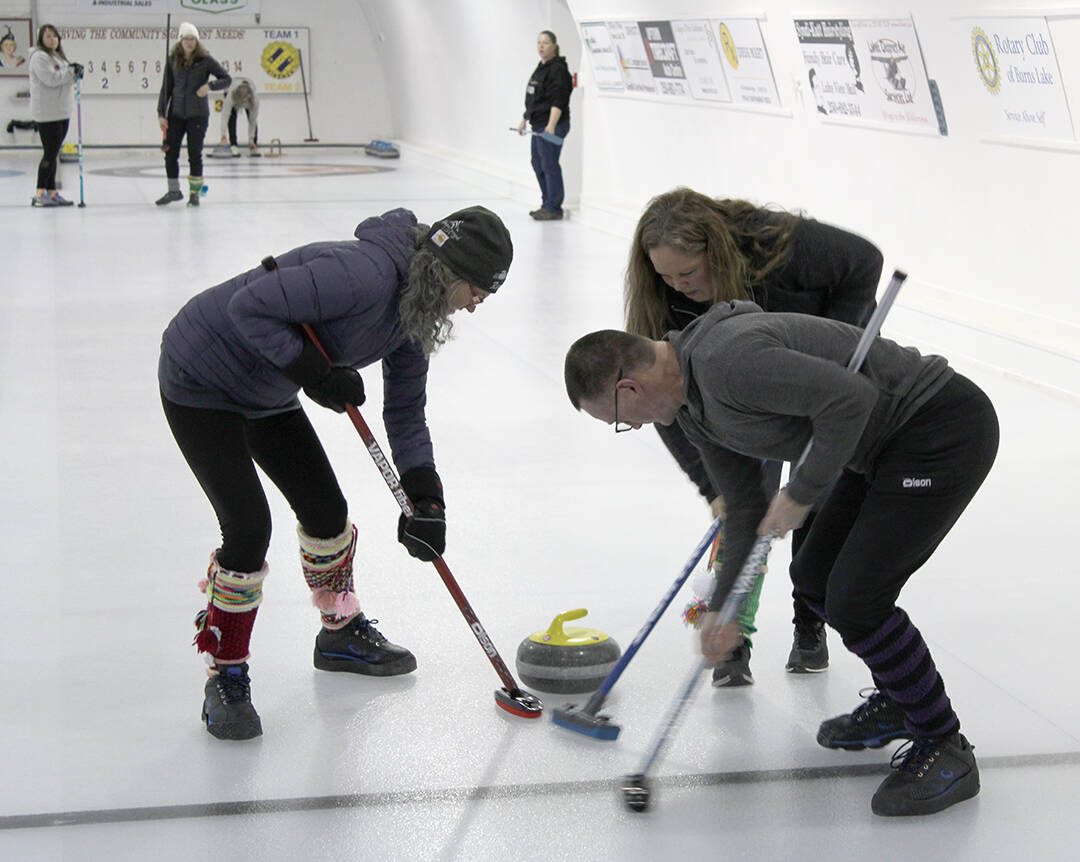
<point>728,44</point>
<point>986,60</point>
<point>280,59</point>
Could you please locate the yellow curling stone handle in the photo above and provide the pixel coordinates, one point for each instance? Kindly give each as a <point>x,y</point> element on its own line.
<point>557,636</point>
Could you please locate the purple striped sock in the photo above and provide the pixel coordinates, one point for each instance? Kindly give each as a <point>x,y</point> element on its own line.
<point>903,668</point>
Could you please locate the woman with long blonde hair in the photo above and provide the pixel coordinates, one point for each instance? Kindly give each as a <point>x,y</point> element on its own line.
<point>691,251</point>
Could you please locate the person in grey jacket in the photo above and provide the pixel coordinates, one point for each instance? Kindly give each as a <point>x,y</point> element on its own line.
<point>903,445</point>
<point>232,362</point>
<point>183,110</point>
<point>52,86</point>
<point>242,97</point>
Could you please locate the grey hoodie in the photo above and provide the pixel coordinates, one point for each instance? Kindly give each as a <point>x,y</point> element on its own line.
<point>761,386</point>
<point>52,87</point>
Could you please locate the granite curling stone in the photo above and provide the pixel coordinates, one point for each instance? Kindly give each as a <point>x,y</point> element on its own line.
<point>566,661</point>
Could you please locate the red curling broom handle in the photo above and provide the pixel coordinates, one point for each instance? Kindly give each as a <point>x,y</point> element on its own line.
<point>391,479</point>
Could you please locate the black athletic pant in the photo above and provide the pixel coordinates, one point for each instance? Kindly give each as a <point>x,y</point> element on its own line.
<point>873,532</point>
<point>222,448</point>
<point>52,136</point>
<point>232,127</point>
<point>195,129</point>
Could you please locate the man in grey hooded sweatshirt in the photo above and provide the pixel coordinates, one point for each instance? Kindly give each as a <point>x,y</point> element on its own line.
<point>906,439</point>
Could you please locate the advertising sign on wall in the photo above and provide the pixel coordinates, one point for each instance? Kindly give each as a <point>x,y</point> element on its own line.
<point>1019,90</point>
<point>867,70</point>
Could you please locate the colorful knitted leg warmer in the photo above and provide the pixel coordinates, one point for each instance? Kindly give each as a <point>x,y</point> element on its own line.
<point>696,610</point>
<point>327,565</point>
<point>195,185</point>
<point>224,628</point>
<point>903,668</point>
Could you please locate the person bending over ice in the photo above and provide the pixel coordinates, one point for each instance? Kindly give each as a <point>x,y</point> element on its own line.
<point>232,362</point>
<point>905,443</point>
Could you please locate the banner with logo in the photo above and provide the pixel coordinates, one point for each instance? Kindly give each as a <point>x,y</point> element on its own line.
<point>190,8</point>
<point>127,60</point>
<point>867,70</point>
<point>724,62</point>
<point>1016,79</point>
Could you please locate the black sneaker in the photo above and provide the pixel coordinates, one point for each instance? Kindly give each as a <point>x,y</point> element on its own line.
<point>871,725</point>
<point>809,652</point>
<point>931,775</point>
<point>736,670</point>
<point>227,709</point>
<point>193,199</point>
<point>359,647</point>
<point>168,198</point>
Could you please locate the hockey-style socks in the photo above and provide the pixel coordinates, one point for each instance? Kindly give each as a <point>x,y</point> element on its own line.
<point>328,570</point>
<point>903,668</point>
<point>224,628</point>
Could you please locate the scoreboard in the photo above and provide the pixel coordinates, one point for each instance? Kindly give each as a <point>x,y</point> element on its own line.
<point>130,60</point>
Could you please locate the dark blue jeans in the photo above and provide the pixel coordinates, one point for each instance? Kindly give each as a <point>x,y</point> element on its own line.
<point>545,164</point>
<point>195,129</point>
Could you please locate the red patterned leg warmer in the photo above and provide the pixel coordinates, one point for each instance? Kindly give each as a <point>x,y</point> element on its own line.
<point>328,570</point>
<point>224,628</point>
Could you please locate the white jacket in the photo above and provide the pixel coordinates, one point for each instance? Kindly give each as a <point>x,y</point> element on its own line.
<point>52,87</point>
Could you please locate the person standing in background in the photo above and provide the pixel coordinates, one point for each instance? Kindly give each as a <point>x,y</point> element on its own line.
<point>547,109</point>
<point>52,87</point>
<point>241,97</point>
<point>183,110</point>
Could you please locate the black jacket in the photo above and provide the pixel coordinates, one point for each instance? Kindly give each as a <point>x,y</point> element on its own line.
<point>549,87</point>
<point>178,85</point>
<point>829,273</point>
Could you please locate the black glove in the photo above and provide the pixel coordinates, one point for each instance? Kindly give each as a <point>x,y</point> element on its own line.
<point>77,68</point>
<point>331,386</point>
<point>424,534</point>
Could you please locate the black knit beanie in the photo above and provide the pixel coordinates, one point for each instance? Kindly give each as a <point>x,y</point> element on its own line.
<point>475,245</point>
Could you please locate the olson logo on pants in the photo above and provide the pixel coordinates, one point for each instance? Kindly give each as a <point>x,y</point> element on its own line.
<point>917,482</point>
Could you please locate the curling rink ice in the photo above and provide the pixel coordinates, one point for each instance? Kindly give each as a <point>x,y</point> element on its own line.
<point>105,533</point>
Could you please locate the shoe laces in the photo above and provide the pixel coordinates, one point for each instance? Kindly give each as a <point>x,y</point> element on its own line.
<point>365,628</point>
<point>915,756</point>
<point>234,687</point>
<point>874,701</point>
<point>807,637</point>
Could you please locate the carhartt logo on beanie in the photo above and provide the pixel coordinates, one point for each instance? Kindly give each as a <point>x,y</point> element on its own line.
<point>187,29</point>
<point>475,245</point>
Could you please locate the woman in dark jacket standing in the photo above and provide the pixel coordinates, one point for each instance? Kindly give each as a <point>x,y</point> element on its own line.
<point>547,109</point>
<point>183,110</point>
<point>232,362</point>
<point>691,251</point>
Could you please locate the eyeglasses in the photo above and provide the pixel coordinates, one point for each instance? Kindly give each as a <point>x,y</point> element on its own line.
<point>620,426</point>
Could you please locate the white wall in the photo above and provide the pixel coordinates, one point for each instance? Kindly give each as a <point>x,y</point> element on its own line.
<point>456,73</point>
<point>348,98</point>
<point>987,232</point>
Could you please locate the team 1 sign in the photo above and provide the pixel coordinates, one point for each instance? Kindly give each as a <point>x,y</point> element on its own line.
<point>129,60</point>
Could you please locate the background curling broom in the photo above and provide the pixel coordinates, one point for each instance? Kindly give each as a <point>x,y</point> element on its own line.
<point>635,787</point>
<point>511,697</point>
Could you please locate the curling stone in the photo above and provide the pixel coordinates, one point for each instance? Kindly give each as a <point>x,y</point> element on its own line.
<point>566,661</point>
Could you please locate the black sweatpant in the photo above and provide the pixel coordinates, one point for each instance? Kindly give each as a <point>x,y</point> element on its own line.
<point>52,136</point>
<point>195,129</point>
<point>873,532</point>
<point>222,448</point>
<point>232,127</point>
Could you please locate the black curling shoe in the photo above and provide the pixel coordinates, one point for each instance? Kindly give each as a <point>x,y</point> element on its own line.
<point>168,198</point>
<point>359,647</point>
<point>930,776</point>
<point>809,652</point>
<point>736,670</point>
<point>872,724</point>
<point>227,709</point>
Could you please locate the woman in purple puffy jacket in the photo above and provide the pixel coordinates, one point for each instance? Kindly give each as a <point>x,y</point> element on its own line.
<point>232,363</point>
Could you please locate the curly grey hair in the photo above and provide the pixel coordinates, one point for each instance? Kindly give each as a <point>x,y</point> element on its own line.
<point>424,309</point>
